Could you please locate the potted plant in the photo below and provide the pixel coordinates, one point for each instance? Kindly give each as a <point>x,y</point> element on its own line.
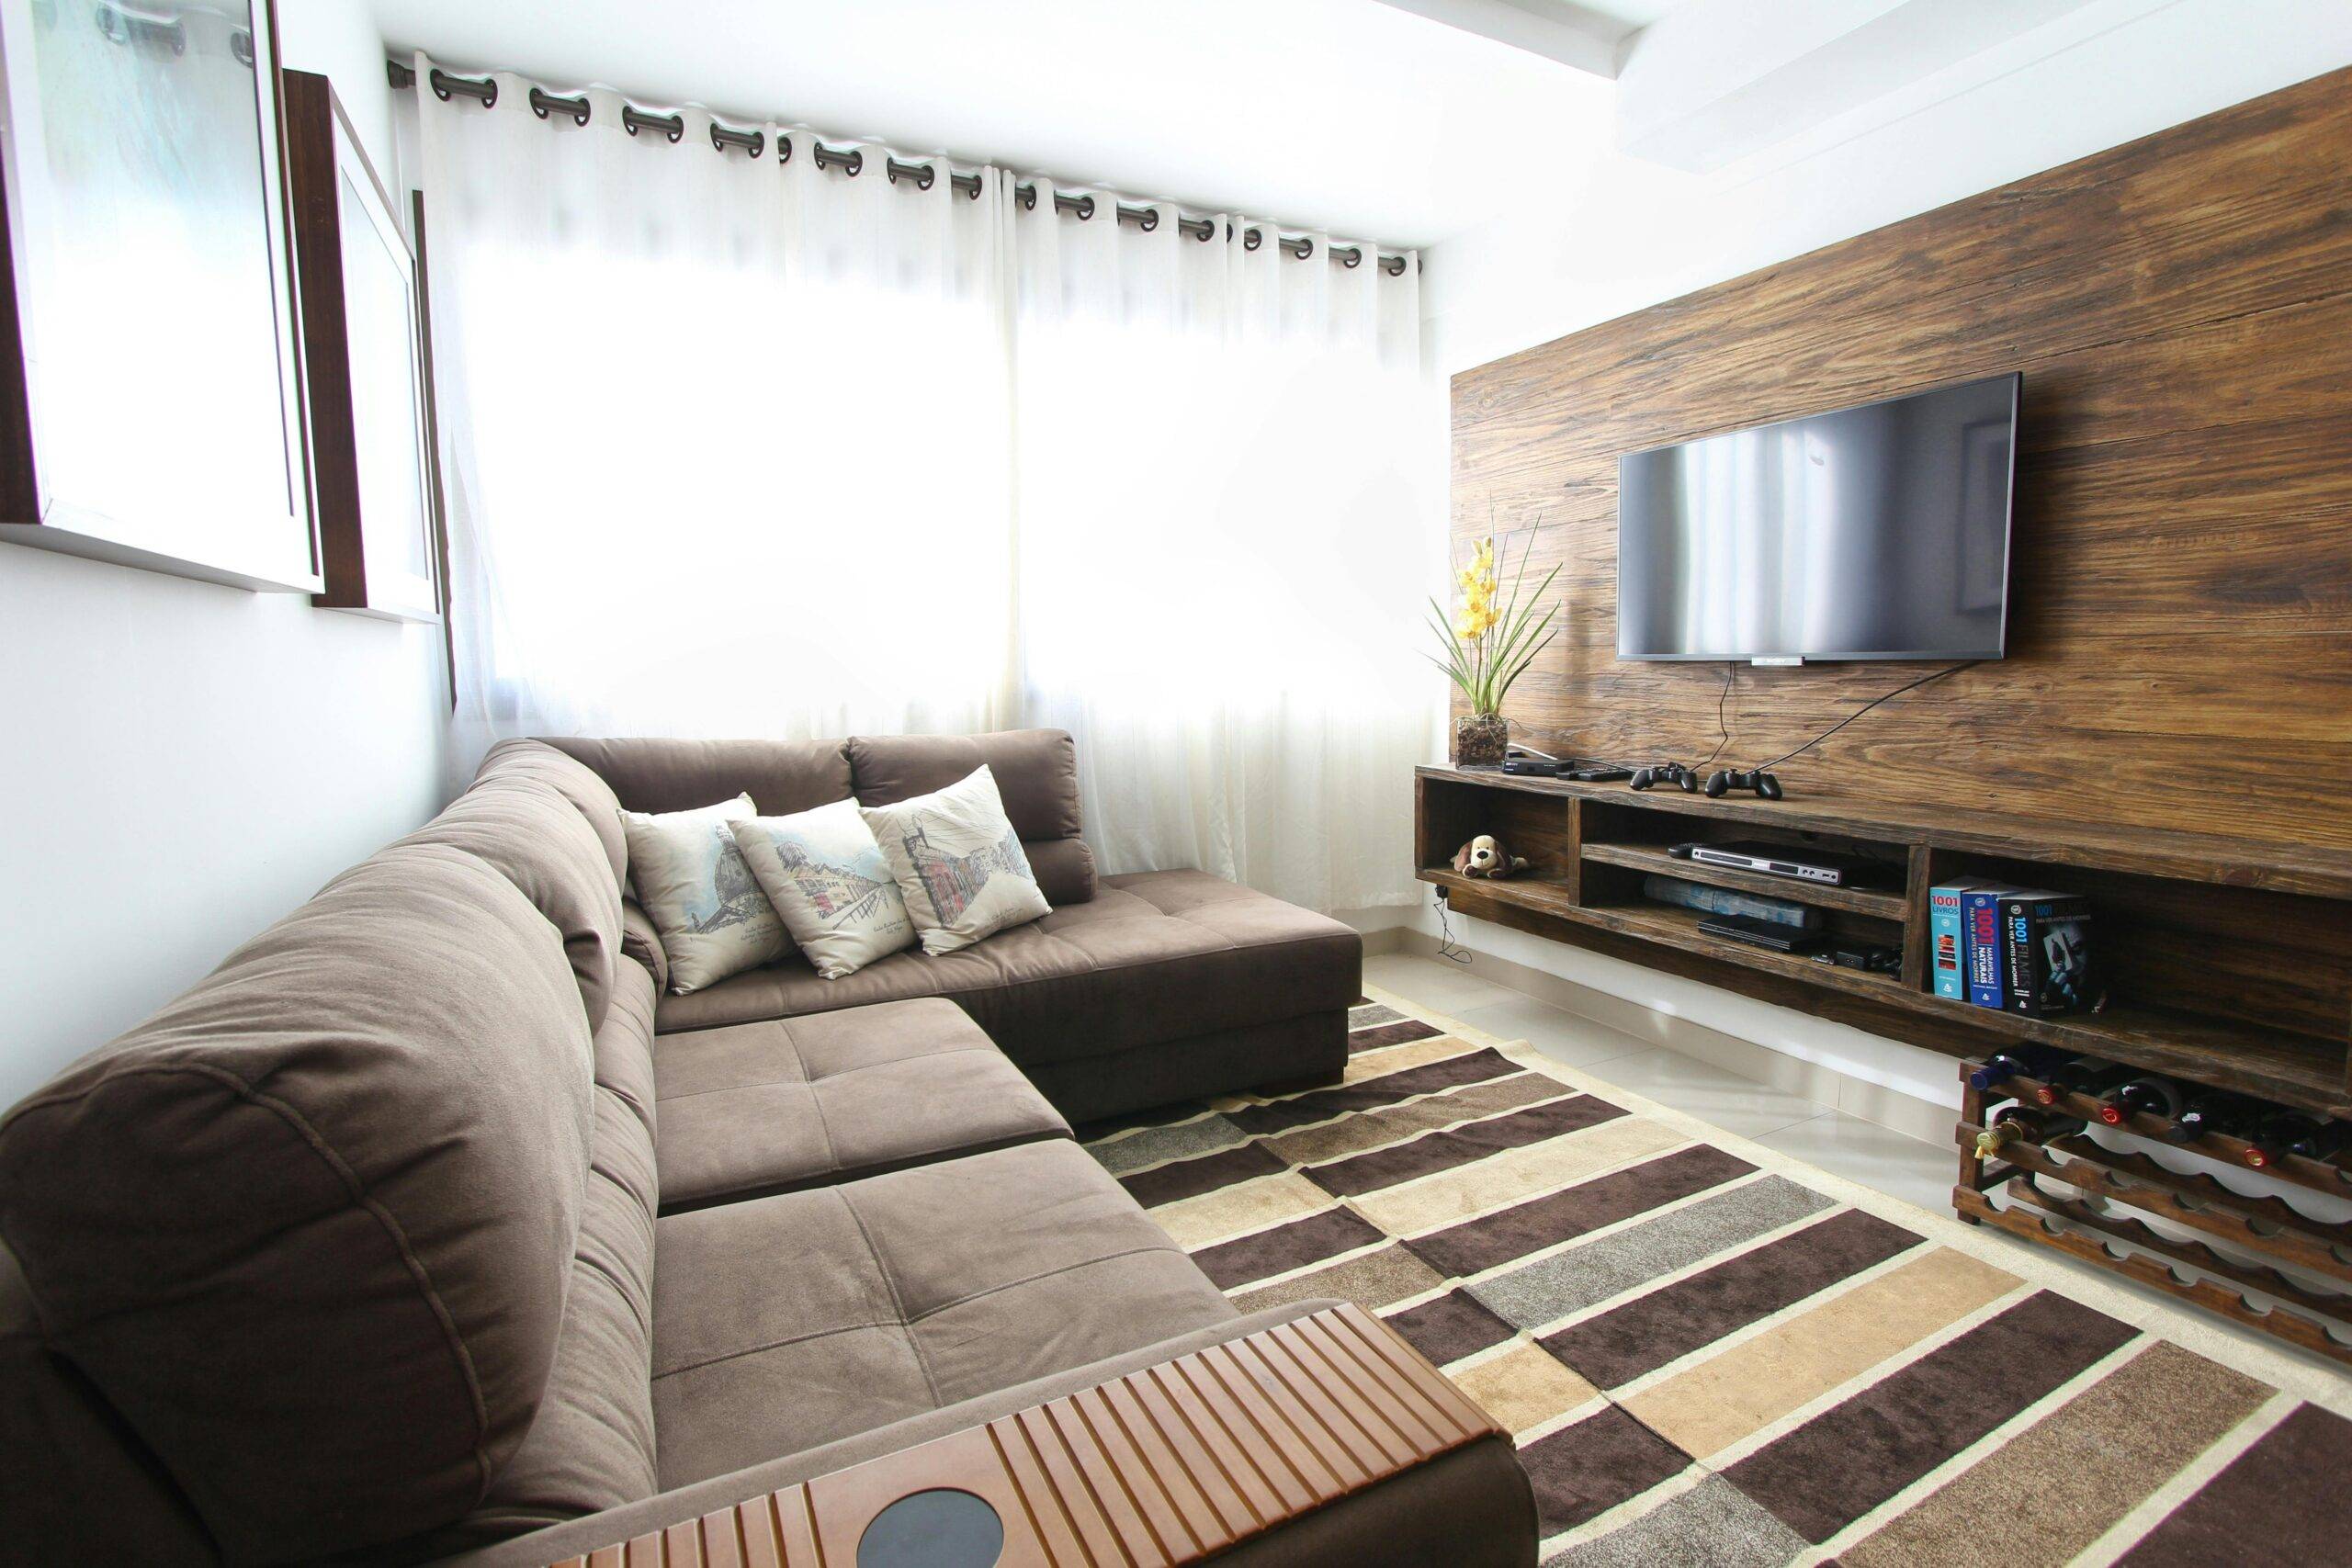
<point>1489,642</point>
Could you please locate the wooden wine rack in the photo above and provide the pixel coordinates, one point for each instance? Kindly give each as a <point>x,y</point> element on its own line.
<point>2088,1226</point>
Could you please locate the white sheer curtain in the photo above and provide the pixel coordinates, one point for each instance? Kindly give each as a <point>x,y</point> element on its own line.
<point>736,448</point>
<point>1223,510</point>
<point>726,441</point>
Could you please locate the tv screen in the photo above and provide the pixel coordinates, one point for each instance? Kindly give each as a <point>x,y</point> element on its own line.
<point>1877,532</point>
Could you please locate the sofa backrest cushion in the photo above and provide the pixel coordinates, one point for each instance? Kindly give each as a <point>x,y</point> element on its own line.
<point>75,1480</point>
<point>591,1447</point>
<point>662,774</point>
<point>575,782</point>
<point>1036,774</point>
<point>521,825</point>
<point>308,1230</point>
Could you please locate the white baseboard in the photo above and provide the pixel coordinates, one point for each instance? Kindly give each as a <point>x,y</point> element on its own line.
<point>1824,1085</point>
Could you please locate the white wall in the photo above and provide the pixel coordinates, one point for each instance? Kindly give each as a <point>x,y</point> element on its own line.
<point>1621,235</point>
<point>180,764</point>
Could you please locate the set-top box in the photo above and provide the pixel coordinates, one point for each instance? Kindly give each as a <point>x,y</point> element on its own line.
<point>1781,860</point>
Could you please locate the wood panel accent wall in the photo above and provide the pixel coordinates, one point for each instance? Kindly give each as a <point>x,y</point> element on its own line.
<point>2180,629</point>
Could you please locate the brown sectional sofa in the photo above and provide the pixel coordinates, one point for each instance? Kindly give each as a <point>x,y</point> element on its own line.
<point>350,1252</point>
<point>1136,991</point>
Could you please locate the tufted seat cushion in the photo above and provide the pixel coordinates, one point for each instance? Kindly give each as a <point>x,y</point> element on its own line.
<point>759,1108</point>
<point>787,1322</point>
<point>1156,956</point>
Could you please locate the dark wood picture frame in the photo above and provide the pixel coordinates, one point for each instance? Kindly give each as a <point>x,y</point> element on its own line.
<point>365,369</point>
<point>181,447</point>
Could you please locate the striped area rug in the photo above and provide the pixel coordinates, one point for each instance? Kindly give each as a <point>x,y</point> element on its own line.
<point>1710,1354</point>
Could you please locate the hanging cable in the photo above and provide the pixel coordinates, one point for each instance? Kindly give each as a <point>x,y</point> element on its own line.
<point>1908,686</point>
<point>1723,730</point>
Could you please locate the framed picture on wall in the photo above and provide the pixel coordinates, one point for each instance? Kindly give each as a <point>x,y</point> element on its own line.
<point>364,365</point>
<point>150,405</point>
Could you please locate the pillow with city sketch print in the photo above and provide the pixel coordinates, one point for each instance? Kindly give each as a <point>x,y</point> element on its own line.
<point>826,876</point>
<point>957,863</point>
<point>702,897</point>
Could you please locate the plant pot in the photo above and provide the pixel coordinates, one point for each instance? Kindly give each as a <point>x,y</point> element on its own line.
<point>1480,740</point>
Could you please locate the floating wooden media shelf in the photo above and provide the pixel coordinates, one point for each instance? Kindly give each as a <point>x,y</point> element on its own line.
<point>2227,963</point>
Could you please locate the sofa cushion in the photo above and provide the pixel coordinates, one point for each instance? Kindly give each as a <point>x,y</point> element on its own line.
<point>546,848</point>
<point>308,1229</point>
<point>957,863</point>
<point>1158,955</point>
<point>574,781</point>
<point>760,1108</point>
<point>662,774</point>
<point>689,877</point>
<point>803,1318</point>
<point>642,943</point>
<point>592,1446</point>
<point>1035,772</point>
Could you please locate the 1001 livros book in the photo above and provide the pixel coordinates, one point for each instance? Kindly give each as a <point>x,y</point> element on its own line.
<point>2025,950</point>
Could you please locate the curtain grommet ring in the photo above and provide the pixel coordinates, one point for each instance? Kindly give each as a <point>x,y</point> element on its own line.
<point>544,104</point>
<point>924,174</point>
<point>672,127</point>
<point>483,90</point>
<point>1348,257</point>
<point>783,150</point>
<point>722,137</point>
<point>1085,207</point>
<point>1150,220</point>
<point>1252,239</point>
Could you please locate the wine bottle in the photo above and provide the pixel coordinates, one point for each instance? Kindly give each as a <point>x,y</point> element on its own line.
<point>2149,1096</point>
<point>2017,1124</point>
<point>2026,1062</point>
<point>2084,1075</point>
<point>2279,1133</point>
<point>2324,1144</point>
<point>2211,1111</point>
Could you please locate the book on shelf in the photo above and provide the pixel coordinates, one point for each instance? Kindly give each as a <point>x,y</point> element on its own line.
<point>1729,901</point>
<point>1945,935</point>
<point>2046,952</point>
<point>1980,947</point>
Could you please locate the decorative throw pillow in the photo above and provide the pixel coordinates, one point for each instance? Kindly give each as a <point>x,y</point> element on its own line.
<point>826,876</point>
<point>704,900</point>
<point>957,863</point>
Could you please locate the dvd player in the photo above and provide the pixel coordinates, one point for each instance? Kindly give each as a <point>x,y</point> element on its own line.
<point>1781,860</point>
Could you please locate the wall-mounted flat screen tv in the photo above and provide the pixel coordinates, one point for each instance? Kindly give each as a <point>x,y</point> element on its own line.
<point>1875,532</point>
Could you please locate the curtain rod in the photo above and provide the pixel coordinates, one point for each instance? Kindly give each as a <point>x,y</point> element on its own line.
<point>851,161</point>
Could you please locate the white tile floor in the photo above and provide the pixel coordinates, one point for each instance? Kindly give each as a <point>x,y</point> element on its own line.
<point>1906,1168</point>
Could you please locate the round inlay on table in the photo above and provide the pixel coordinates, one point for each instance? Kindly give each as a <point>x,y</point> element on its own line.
<point>938,1528</point>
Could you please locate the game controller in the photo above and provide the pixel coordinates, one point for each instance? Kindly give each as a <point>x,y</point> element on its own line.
<point>1724,780</point>
<point>1666,772</point>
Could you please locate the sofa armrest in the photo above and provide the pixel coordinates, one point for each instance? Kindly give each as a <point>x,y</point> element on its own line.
<point>1172,1461</point>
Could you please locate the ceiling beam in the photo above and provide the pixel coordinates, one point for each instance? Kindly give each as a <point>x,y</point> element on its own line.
<point>1507,24</point>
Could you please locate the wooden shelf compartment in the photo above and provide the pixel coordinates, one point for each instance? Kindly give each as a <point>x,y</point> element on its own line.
<point>1651,861</point>
<point>1666,924</point>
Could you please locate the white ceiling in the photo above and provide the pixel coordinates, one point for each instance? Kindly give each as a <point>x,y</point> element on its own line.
<point>1347,114</point>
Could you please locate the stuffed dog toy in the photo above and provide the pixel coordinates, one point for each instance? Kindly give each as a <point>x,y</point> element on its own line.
<point>1485,856</point>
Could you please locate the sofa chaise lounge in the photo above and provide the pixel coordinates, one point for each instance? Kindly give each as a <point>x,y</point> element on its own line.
<point>351,1251</point>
